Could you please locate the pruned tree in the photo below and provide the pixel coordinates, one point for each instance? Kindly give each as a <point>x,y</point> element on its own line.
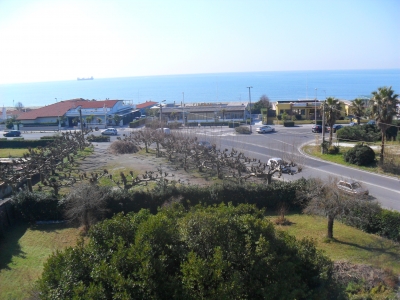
<point>322,197</point>
<point>86,204</point>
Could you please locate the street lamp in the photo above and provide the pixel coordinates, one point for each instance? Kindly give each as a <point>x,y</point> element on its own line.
<point>250,87</point>
<point>161,110</point>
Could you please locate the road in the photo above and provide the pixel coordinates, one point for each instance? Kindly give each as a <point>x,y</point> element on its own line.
<point>286,143</point>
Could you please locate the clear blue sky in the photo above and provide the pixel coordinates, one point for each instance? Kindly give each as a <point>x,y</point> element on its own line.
<point>44,40</point>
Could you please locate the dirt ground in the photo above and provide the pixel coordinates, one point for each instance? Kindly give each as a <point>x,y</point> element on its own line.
<point>102,158</point>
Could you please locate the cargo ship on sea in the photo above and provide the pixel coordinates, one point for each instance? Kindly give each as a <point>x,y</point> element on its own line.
<point>83,78</point>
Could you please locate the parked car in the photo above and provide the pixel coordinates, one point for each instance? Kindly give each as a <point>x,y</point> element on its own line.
<point>109,131</point>
<point>277,161</point>
<point>164,130</point>
<point>13,133</point>
<point>205,145</point>
<point>318,128</point>
<point>353,124</point>
<point>265,128</point>
<point>352,187</point>
<point>336,127</point>
<point>371,122</point>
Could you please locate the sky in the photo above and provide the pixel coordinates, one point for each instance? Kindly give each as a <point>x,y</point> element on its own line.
<point>49,40</point>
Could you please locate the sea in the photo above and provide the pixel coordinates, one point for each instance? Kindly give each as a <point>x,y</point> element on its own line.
<point>207,88</point>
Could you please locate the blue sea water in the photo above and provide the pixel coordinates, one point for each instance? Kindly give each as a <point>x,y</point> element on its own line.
<point>219,87</point>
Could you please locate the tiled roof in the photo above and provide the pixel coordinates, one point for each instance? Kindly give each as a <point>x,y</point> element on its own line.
<point>146,104</point>
<point>60,108</point>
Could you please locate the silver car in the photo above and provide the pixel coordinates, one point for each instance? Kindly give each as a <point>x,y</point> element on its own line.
<point>265,128</point>
<point>109,131</point>
<point>352,187</point>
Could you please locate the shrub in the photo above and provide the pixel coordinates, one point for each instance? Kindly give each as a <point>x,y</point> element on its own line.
<point>360,154</point>
<point>123,147</point>
<point>100,138</point>
<point>206,253</point>
<point>365,133</point>
<point>233,124</point>
<point>279,117</point>
<point>14,143</point>
<point>37,206</point>
<point>333,150</point>
<point>288,124</point>
<point>243,130</point>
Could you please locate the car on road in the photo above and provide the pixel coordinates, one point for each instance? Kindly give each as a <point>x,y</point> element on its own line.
<point>265,129</point>
<point>12,133</point>
<point>352,187</point>
<point>371,122</point>
<point>205,145</point>
<point>318,128</point>
<point>277,161</point>
<point>110,131</point>
<point>336,127</point>
<point>353,124</point>
<point>165,130</point>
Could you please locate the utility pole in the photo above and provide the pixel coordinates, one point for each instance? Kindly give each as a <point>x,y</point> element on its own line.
<point>315,110</point>
<point>183,112</point>
<point>250,87</point>
<point>323,128</point>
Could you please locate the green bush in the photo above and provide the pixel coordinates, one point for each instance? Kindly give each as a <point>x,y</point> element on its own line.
<point>333,150</point>
<point>100,138</point>
<point>17,144</point>
<point>221,252</point>
<point>137,123</point>
<point>234,124</point>
<point>37,206</point>
<point>360,154</point>
<point>364,133</point>
<point>288,124</point>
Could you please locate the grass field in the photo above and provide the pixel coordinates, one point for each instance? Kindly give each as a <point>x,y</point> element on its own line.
<point>25,249</point>
<point>12,152</point>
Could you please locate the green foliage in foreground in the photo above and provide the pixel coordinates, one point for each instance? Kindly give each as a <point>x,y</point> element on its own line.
<point>222,252</point>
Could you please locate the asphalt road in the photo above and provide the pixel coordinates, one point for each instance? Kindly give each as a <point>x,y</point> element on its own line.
<point>286,143</point>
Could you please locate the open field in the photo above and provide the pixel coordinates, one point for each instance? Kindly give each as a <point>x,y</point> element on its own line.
<point>10,152</point>
<point>24,249</point>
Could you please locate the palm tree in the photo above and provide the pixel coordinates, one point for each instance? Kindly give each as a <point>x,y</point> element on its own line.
<point>384,104</point>
<point>358,109</point>
<point>332,111</point>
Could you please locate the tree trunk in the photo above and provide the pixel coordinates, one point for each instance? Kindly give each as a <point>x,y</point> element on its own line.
<point>269,178</point>
<point>382,146</point>
<point>331,219</point>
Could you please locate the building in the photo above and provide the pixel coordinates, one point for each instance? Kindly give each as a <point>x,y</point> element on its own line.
<point>94,113</point>
<point>306,109</point>
<point>206,112</point>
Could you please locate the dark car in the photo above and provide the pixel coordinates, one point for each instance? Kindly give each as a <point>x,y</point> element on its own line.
<point>318,128</point>
<point>13,133</point>
<point>336,127</point>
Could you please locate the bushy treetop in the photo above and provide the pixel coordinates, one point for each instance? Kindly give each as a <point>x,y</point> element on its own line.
<point>216,252</point>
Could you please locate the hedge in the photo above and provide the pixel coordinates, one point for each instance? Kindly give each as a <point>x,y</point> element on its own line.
<point>288,124</point>
<point>101,138</point>
<point>137,123</point>
<point>25,143</point>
